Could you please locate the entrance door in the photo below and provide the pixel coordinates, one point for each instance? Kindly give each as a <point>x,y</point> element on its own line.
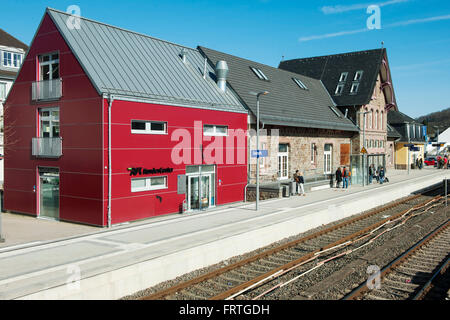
<point>327,161</point>
<point>49,193</point>
<point>200,192</point>
<point>283,162</point>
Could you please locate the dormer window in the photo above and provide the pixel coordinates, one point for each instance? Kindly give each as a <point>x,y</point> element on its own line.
<point>49,67</point>
<point>343,77</point>
<point>300,84</point>
<point>339,89</point>
<point>358,75</point>
<point>259,74</point>
<point>11,60</point>
<point>354,89</point>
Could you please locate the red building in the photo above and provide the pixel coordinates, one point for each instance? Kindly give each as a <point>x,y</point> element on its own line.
<point>112,126</point>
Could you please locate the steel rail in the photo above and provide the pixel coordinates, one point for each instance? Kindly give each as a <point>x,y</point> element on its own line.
<point>267,275</point>
<point>434,279</point>
<point>172,290</point>
<point>362,289</point>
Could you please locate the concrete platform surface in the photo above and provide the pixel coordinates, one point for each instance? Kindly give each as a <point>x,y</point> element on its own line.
<point>110,264</point>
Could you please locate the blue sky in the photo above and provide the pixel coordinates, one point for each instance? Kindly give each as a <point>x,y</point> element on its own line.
<point>415,32</point>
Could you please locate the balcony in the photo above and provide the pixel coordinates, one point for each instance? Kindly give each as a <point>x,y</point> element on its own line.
<point>47,90</point>
<point>47,147</point>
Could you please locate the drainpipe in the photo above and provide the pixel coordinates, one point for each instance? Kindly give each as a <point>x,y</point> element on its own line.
<point>111,99</point>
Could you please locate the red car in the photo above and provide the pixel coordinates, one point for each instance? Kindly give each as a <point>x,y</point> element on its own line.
<point>431,161</point>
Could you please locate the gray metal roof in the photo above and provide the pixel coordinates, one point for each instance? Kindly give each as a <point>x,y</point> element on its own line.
<point>286,104</point>
<point>129,64</point>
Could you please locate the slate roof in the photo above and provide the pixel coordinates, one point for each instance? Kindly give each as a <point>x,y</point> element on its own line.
<point>398,120</point>
<point>8,40</point>
<point>329,69</point>
<point>286,104</point>
<point>392,133</point>
<point>397,117</point>
<point>129,64</point>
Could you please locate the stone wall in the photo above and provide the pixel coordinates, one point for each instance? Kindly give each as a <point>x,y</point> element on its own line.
<point>300,142</point>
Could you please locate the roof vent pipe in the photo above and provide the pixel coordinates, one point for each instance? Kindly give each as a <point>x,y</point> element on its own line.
<point>183,55</point>
<point>222,73</point>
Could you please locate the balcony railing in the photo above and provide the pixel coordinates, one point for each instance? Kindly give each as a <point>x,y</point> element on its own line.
<point>47,90</point>
<point>47,147</point>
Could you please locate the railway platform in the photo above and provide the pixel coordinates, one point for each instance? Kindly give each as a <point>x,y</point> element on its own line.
<point>111,264</point>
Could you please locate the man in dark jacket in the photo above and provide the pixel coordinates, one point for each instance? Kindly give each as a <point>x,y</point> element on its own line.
<point>338,177</point>
<point>382,174</point>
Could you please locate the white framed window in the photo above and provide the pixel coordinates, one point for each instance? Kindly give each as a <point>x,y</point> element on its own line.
<point>339,89</point>
<point>49,66</point>
<point>148,127</point>
<point>49,123</point>
<point>313,153</point>
<point>300,84</point>
<point>2,90</point>
<point>7,59</point>
<point>148,184</point>
<point>214,130</point>
<point>358,75</point>
<point>262,161</point>
<point>259,74</point>
<point>343,77</point>
<point>354,89</point>
<point>376,120</point>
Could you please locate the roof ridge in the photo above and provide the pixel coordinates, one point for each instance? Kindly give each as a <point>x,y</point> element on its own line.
<point>266,65</point>
<point>122,29</point>
<point>335,55</point>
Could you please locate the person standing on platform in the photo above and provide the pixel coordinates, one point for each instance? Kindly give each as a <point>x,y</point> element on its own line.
<point>297,182</point>
<point>338,178</point>
<point>301,182</point>
<point>382,174</point>
<point>345,176</point>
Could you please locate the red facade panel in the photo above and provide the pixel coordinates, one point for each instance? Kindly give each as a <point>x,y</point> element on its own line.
<point>83,166</point>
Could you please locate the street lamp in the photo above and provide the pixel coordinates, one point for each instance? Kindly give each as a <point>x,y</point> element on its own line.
<point>364,143</point>
<point>262,93</point>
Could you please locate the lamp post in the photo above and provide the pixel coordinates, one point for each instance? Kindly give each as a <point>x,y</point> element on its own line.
<point>364,144</point>
<point>262,93</point>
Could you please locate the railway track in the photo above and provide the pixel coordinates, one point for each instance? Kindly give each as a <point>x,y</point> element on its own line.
<point>413,274</point>
<point>249,278</point>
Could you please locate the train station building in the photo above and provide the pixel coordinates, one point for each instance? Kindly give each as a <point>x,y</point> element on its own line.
<point>301,127</point>
<point>114,126</point>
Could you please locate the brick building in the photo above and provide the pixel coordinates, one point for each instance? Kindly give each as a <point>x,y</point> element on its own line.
<point>360,84</point>
<point>300,125</point>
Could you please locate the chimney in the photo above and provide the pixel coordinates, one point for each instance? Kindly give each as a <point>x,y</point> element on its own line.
<point>221,73</point>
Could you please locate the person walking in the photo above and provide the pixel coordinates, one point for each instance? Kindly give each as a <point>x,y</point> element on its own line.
<point>420,163</point>
<point>345,178</point>
<point>371,173</point>
<point>301,182</point>
<point>338,178</point>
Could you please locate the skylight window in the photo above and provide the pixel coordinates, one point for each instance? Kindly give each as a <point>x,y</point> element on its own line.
<point>300,84</point>
<point>343,77</point>
<point>354,89</point>
<point>339,89</point>
<point>358,75</point>
<point>259,74</point>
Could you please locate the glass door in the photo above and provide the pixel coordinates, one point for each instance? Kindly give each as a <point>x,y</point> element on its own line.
<point>194,193</point>
<point>205,192</point>
<point>283,161</point>
<point>49,193</point>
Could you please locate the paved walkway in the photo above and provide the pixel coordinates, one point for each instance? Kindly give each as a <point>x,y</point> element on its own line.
<point>43,265</point>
